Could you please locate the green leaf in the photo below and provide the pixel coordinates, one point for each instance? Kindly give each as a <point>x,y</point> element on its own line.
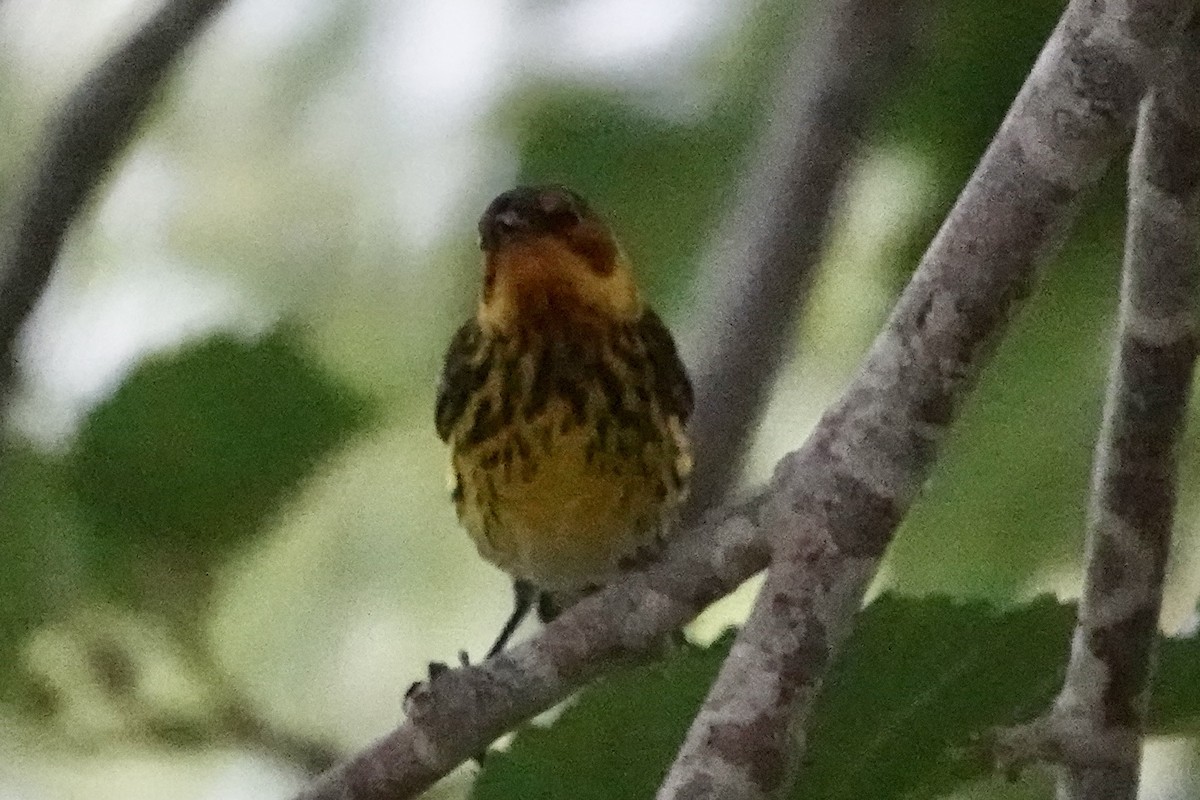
<point>40,565</point>
<point>616,741</point>
<point>1174,695</point>
<point>917,682</point>
<point>922,678</point>
<point>198,447</point>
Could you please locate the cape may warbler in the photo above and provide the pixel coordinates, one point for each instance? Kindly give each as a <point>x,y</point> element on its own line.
<point>564,402</point>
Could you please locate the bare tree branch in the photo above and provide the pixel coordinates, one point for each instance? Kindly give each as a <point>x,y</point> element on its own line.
<point>1060,740</point>
<point>1102,705</point>
<point>1134,496</point>
<point>81,143</point>
<point>835,503</point>
<point>765,253</point>
<point>858,474</point>
<point>460,712</point>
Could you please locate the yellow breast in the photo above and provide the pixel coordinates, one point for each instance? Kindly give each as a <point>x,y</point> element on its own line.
<point>563,497</point>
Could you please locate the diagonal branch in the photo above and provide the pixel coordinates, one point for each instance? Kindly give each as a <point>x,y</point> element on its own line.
<point>1103,699</point>
<point>859,470</point>
<point>81,143</point>
<point>854,480</point>
<point>459,713</point>
<point>766,251</point>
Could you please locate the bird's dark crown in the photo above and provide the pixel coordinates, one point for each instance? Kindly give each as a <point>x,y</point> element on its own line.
<point>530,210</point>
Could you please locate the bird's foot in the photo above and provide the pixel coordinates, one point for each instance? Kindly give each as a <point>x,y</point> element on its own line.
<point>436,670</point>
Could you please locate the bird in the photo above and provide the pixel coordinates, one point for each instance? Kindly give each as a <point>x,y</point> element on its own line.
<point>564,403</point>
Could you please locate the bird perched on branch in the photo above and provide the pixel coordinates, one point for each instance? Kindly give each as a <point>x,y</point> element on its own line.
<point>564,404</point>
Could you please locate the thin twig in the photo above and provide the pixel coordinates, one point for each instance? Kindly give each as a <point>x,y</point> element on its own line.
<point>764,255</point>
<point>854,480</point>
<point>1134,482</point>
<point>81,143</point>
<point>863,463</point>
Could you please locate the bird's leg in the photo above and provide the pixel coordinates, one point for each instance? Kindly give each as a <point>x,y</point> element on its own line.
<point>523,597</point>
<point>523,594</point>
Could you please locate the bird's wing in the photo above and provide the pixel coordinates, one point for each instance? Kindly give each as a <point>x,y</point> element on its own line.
<point>461,377</point>
<point>672,385</point>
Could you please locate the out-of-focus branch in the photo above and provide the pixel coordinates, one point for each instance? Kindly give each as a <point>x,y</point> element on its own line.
<point>80,144</point>
<point>764,255</point>
<point>858,474</point>
<point>1102,705</point>
<point>839,498</point>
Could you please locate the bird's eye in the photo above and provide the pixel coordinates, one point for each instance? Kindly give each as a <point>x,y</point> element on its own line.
<point>562,221</point>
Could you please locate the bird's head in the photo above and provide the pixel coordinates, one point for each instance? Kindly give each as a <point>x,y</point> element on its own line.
<point>550,260</point>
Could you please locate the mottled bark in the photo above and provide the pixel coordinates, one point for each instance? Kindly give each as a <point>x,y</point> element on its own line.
<point>1134,481</point>
<point>459,713</point>
<point>854,480</point>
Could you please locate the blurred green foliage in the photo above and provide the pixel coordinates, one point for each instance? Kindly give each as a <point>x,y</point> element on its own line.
<point>968,63</point>
<point>663,179</point>
<point>41,551</point>
<point>197,448</point>
<point>191,455</point>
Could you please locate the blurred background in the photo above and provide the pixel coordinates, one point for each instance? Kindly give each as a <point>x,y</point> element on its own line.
<point>227,541</point>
